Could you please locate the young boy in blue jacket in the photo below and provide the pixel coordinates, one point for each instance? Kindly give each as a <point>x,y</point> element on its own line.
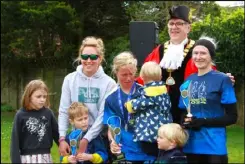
<point>96,150</point>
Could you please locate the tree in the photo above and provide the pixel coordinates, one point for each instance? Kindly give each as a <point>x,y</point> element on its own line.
<point>228,30</point>
<point>34,29</point>
<point>157,11</point>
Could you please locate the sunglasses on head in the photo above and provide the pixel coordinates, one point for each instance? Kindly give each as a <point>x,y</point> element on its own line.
<point>91,56</point>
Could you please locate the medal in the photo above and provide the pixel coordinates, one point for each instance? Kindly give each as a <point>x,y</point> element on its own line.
<point>170,80</point>
<point>131,122</point>
<point>184,93</point>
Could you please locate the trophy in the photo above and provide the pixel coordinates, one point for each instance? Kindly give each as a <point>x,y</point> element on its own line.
<point>185,90</point>
<point>114,124</point>
<point>73,137</point>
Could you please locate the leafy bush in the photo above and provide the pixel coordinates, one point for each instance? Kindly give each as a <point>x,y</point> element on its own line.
<point>6,108</point>
<point>113,48</point>
<point>228,30</point>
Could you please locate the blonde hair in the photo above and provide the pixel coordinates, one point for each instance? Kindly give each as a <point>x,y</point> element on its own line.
<point>77,109</point>
<point>174,133</point>
<point>91,41</point>
<point>123,59</point>
<point>30,88</point>
<point>151,71</point>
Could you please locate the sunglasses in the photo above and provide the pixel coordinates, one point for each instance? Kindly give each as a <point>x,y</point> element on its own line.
<point>91,56</point>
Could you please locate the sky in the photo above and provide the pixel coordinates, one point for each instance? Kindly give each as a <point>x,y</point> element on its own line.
<point>229,3</point>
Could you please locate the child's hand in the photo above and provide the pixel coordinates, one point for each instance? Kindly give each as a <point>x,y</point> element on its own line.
<point>72,159</point>
<point>129,106</point>
<point>125,104</point>
<point>84,157</point>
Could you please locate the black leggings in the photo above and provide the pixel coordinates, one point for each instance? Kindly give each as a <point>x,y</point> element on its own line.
<point>206,158</point>
<point>149,148</point>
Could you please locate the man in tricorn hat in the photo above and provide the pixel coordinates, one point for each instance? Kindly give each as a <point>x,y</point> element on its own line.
<point>174,56</point>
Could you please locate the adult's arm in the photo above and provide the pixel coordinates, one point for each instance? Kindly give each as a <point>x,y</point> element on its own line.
<point>63,120</point>
<point>109,113</point>
<point>97,126</point>
<point>65,102</point>
<point>229,118</point>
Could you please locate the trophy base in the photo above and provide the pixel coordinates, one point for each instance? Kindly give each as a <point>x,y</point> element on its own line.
<point>189,115</point>
<point>118,157</point>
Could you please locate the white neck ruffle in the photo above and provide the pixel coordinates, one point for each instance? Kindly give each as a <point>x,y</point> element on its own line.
<point>174,56</point>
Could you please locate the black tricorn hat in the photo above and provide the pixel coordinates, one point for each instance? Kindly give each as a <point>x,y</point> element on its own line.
<point>179,12</point>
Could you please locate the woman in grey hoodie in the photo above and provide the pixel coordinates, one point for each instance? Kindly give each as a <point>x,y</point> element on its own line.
<point>88,84</point>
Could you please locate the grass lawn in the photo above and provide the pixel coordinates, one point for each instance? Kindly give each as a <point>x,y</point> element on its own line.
<point>235,141</point>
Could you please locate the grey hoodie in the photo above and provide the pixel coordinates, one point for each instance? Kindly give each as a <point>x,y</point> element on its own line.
<point>92,91</point>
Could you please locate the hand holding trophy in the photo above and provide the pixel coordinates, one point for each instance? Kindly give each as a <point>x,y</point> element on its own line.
<point>114,124</point>
<point>185,90</point>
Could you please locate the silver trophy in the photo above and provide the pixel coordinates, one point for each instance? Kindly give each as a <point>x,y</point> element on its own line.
<point>185,91</point>
<point>73,137</point>
<point>114,124</point>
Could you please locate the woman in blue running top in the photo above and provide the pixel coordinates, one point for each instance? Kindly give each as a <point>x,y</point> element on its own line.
<point>124,67</point>
<point>213,107</point>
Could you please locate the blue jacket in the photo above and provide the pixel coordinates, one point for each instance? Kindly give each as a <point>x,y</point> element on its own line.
<point>171,156</point>
<point>95,146</point>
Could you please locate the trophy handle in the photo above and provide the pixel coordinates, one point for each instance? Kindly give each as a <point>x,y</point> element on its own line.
<point>189,112</point>
<point>111,131</point>
<point>185,91</point>
<point>189,100</point>
<point>73,145</point>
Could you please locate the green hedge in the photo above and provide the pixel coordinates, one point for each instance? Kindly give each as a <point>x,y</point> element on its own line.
<point>6,108</point>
